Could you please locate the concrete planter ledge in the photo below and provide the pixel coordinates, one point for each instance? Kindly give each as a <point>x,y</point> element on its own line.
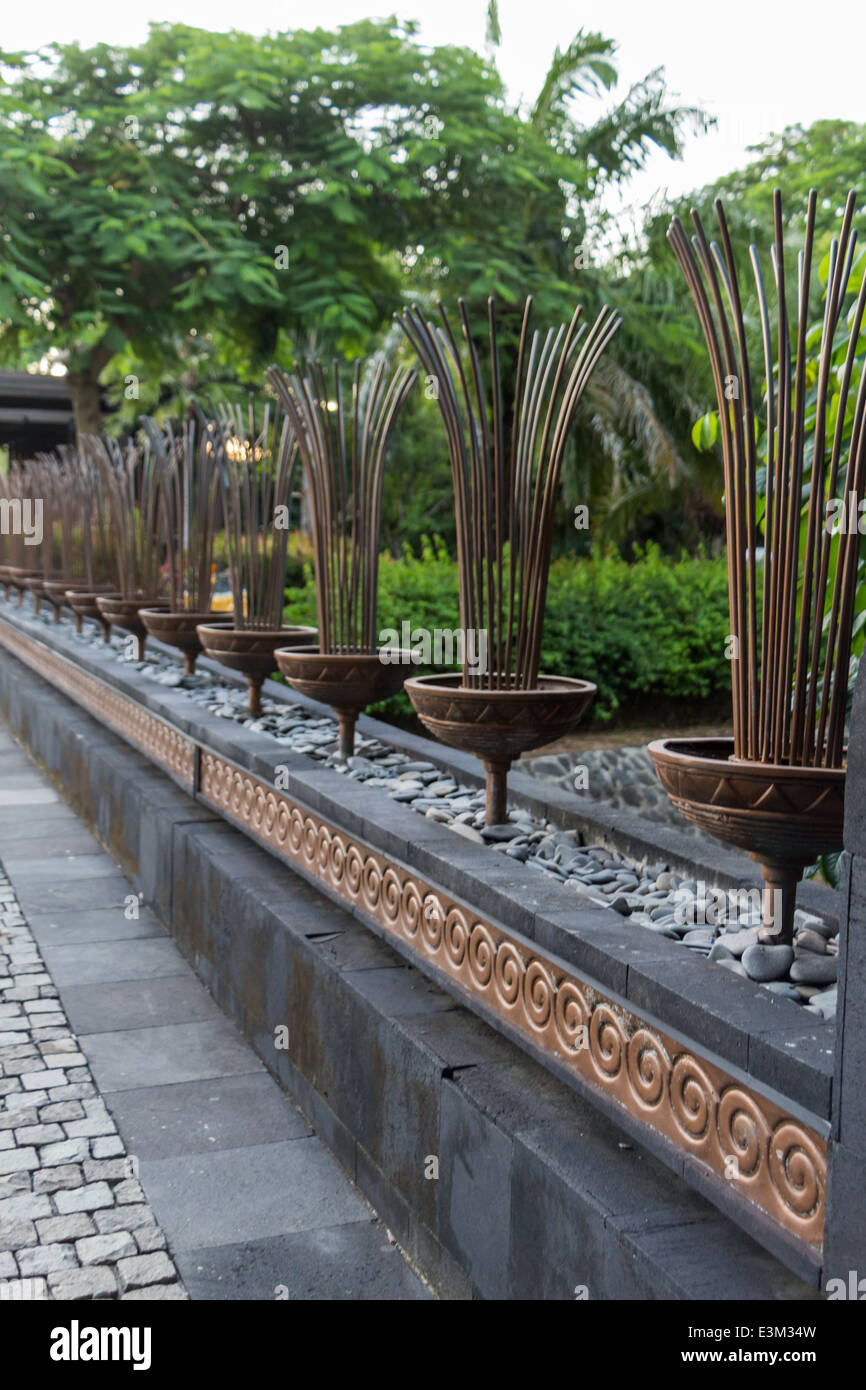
<point>699,1067</point>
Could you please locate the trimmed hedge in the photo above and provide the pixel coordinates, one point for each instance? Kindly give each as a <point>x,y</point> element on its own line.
<point>648,632</point>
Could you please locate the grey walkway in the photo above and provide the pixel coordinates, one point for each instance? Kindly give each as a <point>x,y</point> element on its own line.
<point>237,1196</point>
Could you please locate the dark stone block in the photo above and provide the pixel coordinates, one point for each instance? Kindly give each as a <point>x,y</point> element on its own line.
<point>720,1011</point>
<point>596,943</point>
<point>163,806</point>
<point>330,1129</point>
<point>333,1265</point>
<point>845,1238</point>
<point>850,1116</point>
<point>475,1191</point>
<point>855,779</point>
<point>390,1206</point>
<point>798,1063</point>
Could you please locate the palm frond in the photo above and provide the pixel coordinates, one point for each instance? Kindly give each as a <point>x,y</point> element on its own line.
<point>583,67</point>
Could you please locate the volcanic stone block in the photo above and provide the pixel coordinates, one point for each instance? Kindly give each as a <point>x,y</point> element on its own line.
<point>475,1191</point>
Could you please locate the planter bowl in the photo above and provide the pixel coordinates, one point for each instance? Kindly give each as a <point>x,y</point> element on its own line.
<point>55,590</point>
<point>250,651</point>
<point>180,630</point>
<point>125,613</point>
<point>347,681</point>
<point>783,817</point>
<point>498,725</point>
<point>83,604</point>
<point>16,577</point>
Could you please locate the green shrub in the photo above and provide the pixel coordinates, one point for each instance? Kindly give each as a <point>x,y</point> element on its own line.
<point>649,633</point>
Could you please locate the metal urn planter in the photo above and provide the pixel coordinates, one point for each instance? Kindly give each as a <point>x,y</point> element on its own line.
<point>783,817</point>
<point>499,725</point>
<point>251,651</point>
<point>132,485</point>
<point>180,630</point>
<point>347,681</point>
<point>125,613</point>
<point>506,459</point>
<point>56,591</point>
<point>187,462</point>
<point>256,456</point>
<point>83,603</point>
<point>33,584</point>
<point>17,577</point>
<point>777,789</point>
<point>343,449</point>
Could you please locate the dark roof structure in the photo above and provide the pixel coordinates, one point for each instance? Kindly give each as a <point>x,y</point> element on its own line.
<point>35,413</point>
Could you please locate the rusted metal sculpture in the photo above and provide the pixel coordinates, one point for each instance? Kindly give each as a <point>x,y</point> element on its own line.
<point>61,479</point>
<point>187,461</point>
<point>256,458</point>
<point>17,494</point>
<point>44,473</point>
<point>99,562</point>
<point>506,458</point>
<point>777,789</point>
<point>131,478</point>
<point>343,448</point>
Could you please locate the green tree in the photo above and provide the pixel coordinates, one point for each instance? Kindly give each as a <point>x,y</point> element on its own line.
<point>148,191</point>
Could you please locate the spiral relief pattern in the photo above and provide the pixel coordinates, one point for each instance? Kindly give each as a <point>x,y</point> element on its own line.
<point>781,1161</point>
<point>797,1169</point>
<point>571,1017</point>
<point>456,937</point>
<point>508,972</point>
<point>649,1067</point>
<point>743,1131</point>
<point>606,1041</point>
<point>693,1097</point>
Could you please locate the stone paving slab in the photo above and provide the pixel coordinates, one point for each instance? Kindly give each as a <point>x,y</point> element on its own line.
<point>153,1127</point>
<point>176,1052</point>
<point>66,842</point>
<point>352,1261</point>
<point>294,1185</point>
<point>107,890</point>
<point>110,962</point>
<point>203,1116</point>
<point>101,924</point>
<point>138,1004</point>
<point>30,873</point>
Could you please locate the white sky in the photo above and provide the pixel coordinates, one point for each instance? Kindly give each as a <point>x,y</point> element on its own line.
<point>817,72</point>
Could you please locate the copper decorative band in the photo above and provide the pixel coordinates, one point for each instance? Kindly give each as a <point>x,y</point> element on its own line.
<point>154,737</point>
<point>770,1158</point>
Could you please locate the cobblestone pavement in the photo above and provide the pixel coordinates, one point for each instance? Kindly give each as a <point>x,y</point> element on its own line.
<point>145,1152</point>
<point>74,1222</point>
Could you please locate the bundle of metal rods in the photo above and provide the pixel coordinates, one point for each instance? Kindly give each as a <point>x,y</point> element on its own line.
<point>791,617</point>
<point>506,459</point>
<point>55,555</point>
<point>256,457</point>
<point>99,556</point>
<point>18,491</point>
<point>131,479</point>
<point>343,447</point>
<point>187,461</point>
<point>59,480</point>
